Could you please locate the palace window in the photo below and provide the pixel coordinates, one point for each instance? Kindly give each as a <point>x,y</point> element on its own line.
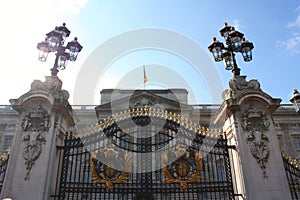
<point>297,143</point>
<point>280,140</point>
<point>7,142</point>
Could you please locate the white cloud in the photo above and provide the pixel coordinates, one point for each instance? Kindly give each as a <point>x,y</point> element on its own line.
<point>71,6</point>
<point>295,23</point>
<point>236,24</point>
<point>292,44</point>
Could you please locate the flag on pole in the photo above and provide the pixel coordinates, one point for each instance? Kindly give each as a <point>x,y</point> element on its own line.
<point>145,77</point>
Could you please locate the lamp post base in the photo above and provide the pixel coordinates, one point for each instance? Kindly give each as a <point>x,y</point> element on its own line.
<point>54,71</point>
<point>236,71</point>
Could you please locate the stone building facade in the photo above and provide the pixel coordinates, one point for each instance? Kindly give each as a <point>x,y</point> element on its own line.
<point>286,120</point>
<point>256,124</point>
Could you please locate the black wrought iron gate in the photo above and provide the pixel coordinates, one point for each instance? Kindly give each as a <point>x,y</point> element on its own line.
<point>192,162</point>
<point>292,170</point>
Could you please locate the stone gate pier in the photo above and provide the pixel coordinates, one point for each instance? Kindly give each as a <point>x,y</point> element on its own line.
<point>246,117</point>
<point>44,116</point>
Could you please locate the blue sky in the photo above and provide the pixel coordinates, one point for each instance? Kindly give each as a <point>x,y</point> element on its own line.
<point>272,26</point>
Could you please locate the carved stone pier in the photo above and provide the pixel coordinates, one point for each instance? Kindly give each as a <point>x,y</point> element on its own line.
<point>246,118</point>
<point>44,116</point>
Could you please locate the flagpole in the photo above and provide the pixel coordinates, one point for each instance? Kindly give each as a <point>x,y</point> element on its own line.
<point>145,77</point>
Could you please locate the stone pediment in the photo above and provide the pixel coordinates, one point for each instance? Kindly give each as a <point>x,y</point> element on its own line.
<point>140,100</point>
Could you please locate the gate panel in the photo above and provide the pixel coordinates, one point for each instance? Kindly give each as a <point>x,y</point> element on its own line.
<point>3,166</point>
<point>202,171</point>
<point>293,175</point>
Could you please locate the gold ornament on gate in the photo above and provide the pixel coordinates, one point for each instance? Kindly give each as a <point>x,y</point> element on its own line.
<point>186,169</point>
<point>108,175</point>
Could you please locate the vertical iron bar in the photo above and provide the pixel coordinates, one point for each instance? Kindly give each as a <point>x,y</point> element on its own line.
<point>64,170</point>
<point>59,172</point>
<point>228,171</point>
<point>75,172</point>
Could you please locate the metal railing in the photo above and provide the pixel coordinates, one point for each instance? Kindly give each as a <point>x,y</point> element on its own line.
<point>292,169</point>
<point>3,167</point>
<point>204,172</point>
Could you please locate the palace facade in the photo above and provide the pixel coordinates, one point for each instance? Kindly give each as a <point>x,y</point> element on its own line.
<point>149,144</point>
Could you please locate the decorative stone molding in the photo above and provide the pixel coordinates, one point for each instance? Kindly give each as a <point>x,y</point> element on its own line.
<point>33,142</point>
<point>142,102</point>
<point>36,120</point>
<point>238,85</point>
<point>52,85</point>
<point>35,124</point>
<point>255,124</point>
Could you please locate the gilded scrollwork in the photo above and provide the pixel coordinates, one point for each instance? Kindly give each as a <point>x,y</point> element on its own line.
<point>186,169</point>
<point>108,175</point>
<point>35,124</point>
<point>256,125</point>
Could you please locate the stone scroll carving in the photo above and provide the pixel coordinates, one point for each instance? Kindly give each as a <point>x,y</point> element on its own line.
<point>255,124</point>
<point>35,124</point>
<point>52,85</point>
<point>238,85</point>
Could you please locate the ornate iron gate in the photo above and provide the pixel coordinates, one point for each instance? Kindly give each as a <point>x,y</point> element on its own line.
<point>292,169</point>
<point>192,162</point>
<point>3,166</point>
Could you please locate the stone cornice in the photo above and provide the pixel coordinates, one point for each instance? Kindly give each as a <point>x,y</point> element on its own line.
<point>242,91</point>
<point>48,93</point>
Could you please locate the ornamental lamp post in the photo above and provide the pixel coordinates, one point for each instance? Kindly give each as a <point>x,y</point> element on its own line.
<point>235,43</point>
<point>295,100</point>
<point>54,42</point>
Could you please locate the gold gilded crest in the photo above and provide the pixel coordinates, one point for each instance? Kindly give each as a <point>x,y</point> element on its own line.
<point>186,169</point>
<point>108,175</point>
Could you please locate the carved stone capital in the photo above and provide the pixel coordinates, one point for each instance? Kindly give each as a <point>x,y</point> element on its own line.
<point>238,85</point>
<point>52,85</point>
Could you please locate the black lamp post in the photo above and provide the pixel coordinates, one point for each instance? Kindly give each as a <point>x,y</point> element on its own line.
<point>235,43</point>
<point>296,100</point>
<point>54,42</point>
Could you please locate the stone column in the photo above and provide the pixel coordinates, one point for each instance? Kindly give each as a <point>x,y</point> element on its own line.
<point>44,116</point>
<point>246,116</point>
